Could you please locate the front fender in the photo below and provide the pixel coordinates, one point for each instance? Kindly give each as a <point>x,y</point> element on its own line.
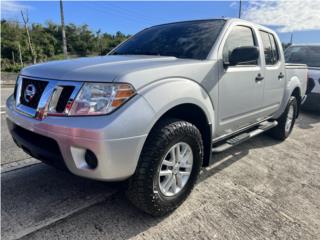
<point>165,94</point>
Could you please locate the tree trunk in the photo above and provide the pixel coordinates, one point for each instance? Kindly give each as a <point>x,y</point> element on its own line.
<point>20,55</point>
<point>13,58</point>
<point>26,20</point>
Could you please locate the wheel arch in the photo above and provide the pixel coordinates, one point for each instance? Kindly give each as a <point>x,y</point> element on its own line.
<point>297,94</point>
<point>293,89</point>
<point>186,100</point>
<point>194,114</point>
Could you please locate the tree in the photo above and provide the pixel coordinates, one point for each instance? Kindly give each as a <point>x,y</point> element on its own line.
<point>46,41</point>
<point>25,18</point>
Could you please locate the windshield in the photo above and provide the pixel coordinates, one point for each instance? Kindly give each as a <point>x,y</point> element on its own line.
<point>309,55</point>
<point>193,39</point>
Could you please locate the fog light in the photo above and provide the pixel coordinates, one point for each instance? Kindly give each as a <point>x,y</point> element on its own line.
<point>91,159</point>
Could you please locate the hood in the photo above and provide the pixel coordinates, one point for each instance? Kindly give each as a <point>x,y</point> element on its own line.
<point>118,68</point>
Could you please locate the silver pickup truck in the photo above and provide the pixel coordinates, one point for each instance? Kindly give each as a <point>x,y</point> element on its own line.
<point>155,109</point>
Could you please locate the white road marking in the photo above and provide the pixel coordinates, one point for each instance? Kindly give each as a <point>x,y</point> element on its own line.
<point>18,164</point>
<point>2,112</point>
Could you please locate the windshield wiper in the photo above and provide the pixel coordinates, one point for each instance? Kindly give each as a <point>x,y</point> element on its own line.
<point>142,53</point>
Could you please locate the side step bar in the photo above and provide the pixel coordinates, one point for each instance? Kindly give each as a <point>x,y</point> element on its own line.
<point>231,142</point>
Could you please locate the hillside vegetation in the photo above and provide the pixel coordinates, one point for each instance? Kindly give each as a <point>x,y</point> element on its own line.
<point>47,43</point>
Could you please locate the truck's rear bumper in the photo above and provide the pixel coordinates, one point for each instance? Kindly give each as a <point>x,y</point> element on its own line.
<point>63,142</point>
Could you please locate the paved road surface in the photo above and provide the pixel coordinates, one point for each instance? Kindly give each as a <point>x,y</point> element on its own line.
<point>261,189</point>
<point>10,154</point>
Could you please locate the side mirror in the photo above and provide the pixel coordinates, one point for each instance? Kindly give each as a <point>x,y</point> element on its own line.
<point>243,55</point>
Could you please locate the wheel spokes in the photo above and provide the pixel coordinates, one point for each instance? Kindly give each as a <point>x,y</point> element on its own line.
<point>174,184</point>
<point>174,156</point>
<point>184,173</point>
<point>165,172</point>
<point>185,163</point>
<point>168,163</point>
<point>169,183</point>
<point>179,180</point>
<point>175,169</point>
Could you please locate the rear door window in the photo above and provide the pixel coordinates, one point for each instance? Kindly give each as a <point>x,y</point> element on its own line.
<point>271,52</point>
<point>275,49</point>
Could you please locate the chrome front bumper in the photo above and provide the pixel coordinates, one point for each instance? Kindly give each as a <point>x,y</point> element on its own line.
<point>116,140</point>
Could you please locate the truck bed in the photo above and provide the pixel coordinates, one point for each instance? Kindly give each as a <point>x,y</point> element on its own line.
<point>297,71</point>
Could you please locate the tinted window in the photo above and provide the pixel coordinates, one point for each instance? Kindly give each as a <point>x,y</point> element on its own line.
<point>275,49</point>
<point>268,55</point>
<point>240,36</point>
<point>271,53</point>
<point>309,55</point>
<point>192,39</point>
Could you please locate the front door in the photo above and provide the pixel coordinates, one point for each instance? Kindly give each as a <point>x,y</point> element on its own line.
<point>240,86</point>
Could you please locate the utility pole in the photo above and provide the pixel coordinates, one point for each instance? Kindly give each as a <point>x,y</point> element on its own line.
<point>99,41</point>
<point>64,40</point>
<point>291,38</point>
<point>240,8</point>
<point>25,19</point>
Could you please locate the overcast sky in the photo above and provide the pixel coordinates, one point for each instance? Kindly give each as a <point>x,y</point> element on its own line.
<point>300,17</point>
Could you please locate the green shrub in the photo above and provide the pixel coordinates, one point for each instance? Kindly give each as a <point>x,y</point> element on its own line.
<point>7,66</point>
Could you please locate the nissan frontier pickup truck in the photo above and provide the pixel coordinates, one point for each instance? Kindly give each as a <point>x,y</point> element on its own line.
<point>158,106</point>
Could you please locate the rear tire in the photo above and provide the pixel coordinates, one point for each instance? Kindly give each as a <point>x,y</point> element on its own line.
<point>286,121</point>
<point>169,141</point>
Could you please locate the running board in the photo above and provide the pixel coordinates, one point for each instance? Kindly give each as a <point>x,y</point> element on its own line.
<point>231,142</point>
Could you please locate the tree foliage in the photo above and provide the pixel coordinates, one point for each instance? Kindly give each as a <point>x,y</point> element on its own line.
<point>47,42</point>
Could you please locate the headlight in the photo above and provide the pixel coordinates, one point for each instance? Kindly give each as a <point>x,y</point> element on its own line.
<point>100,98</point>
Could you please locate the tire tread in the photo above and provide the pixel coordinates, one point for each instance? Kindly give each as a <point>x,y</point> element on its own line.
<point>140,193</point>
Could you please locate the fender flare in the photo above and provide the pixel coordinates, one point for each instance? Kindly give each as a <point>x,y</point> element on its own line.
<point>293,83</point>
<point>166,94</point>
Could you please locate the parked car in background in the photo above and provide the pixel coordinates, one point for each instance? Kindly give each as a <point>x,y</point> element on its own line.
<point>155,108</point>
<point>309,55</point>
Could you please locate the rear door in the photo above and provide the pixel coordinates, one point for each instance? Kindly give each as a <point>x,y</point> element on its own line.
<point>240,93</point>
<point>274,73</point>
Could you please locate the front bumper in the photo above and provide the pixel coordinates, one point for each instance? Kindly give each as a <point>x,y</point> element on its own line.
<point>116,140</point>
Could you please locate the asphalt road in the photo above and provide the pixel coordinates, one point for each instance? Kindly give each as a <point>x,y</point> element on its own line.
<point>10,154</point>
<point>261,189</point>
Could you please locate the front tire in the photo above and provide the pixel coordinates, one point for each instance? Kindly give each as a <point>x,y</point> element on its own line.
<point>168,167</point>
<point>286,121</point>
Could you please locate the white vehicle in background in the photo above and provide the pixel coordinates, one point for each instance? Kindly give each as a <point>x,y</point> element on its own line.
<point>309,55</point>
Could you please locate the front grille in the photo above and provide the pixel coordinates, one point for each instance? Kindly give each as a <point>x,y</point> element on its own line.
<point>64,98</point>
<point>55,96</point>
<point>39,89</point>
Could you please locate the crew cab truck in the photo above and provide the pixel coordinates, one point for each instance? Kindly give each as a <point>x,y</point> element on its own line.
<point>155,109</point>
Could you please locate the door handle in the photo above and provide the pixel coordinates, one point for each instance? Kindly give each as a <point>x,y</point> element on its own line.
<point>259,78</point>
<point>281,75</point>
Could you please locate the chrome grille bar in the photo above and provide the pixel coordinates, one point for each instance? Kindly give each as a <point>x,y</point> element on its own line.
<point>50,97</point>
